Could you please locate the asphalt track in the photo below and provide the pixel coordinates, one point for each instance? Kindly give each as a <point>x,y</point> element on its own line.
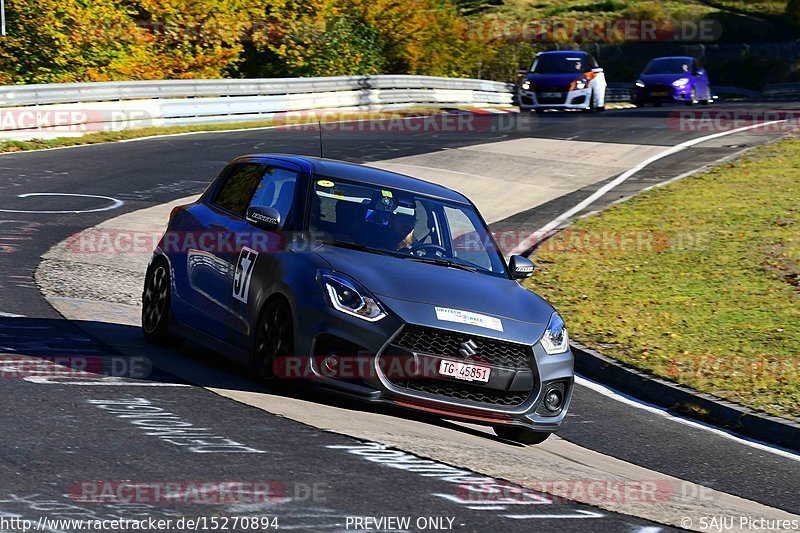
<point>55,436</point>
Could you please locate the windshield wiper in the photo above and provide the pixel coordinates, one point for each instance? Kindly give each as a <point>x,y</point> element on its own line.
<point>442,262</point>
<point>352,246</point>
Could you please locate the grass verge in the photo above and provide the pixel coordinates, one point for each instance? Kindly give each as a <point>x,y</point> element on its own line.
<point>697,282</point>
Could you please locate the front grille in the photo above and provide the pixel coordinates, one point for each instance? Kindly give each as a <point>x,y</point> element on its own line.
<point>448,343</point>
<point>463,391</point>
<point>444,343</point>
<point>659,89</point>
<point>541,89</point>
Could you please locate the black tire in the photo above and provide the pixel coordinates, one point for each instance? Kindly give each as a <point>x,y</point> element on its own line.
<point>274,338</point>
<point>692,98</point>
<point>521,435</point>
<point>708,98</point>
<point>156,299</point>
<point>592,104</point>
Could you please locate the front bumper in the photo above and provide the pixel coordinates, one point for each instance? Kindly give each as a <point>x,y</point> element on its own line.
<point>663,94</point>
<point>578,99</point>
<point>514,395</point>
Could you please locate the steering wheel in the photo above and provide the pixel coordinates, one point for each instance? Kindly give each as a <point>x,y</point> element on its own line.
<point>427,250</point>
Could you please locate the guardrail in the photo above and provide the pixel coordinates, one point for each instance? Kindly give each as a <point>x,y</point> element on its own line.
<point>32,111</point>
<point>782,90</point>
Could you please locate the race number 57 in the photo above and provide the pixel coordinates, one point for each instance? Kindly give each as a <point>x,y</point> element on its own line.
<point>244,271</point>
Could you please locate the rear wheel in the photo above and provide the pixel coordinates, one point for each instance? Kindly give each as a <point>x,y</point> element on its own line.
<point>274,338</point>
<point>521,435</point>
<point>156,303</point>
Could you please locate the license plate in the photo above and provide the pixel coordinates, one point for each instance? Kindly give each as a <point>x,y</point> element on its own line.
<point>464,372</point>
<point>551,95</point>
<point>662,93</point>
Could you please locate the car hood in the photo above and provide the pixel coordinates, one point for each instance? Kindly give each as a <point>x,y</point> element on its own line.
<point>555,79</point>
<point>413,281</point>
<point>662,79</point>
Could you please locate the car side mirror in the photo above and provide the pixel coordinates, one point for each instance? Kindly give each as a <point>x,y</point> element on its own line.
<point>521,267</point>
<point>522,72</point>
<point>266,218</point>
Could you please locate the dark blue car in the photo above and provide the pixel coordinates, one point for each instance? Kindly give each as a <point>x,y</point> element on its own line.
<point>365,282</point>
<point>672,79</point>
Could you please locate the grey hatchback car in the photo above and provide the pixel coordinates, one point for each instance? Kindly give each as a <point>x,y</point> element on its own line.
<point>367,283</point>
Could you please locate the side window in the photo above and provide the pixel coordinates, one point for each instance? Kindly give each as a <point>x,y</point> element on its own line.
<point>276,189</point>
<point>466,240</point>
<point>239,186</point>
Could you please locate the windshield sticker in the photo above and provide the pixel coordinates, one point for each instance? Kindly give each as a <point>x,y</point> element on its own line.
<point>386,194</point>
<point>465,317</point>
<point>325,183</point>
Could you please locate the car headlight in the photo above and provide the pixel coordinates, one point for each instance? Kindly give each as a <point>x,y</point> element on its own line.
<point>349,297</point>
<point>640,84</point>
<point>556,338</point>
<point>526,85</point>
<point>581,84</point>
<point>681,82</point>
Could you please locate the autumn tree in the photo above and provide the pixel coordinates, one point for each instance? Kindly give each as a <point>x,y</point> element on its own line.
<point>72,40</point>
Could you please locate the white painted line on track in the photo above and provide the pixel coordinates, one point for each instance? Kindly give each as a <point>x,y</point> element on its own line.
<point>580,514</point>
<point>115,204</point>
<point>633,402</point>
<point>556,223</point>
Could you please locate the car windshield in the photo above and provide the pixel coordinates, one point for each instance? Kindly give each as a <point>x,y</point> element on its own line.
<point>669,66</point>
<point>401,223</point>
<point>560,64</point>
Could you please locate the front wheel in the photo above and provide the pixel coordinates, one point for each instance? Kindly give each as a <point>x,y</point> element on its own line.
<point>592,104</point>
<point>692,98</point>
<point>156,303</point>
<point>708,98</point>
<point>274,338</point>
<point>521,435</point>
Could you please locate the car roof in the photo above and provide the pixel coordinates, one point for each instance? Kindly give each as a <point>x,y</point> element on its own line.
<point>332,168</point>
<point>683,58</point>
<point>564,53</point>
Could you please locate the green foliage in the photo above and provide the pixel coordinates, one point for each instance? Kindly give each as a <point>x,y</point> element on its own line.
<point>69,40</point>
<point>793,13</point>
<point>697,282</point>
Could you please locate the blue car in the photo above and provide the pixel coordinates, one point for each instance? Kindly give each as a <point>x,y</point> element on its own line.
<point>364,282</point>
<point>563,80</point>
<point>672,79</point>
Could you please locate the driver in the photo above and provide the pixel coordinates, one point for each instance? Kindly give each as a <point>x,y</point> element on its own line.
<point>401,229</point>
